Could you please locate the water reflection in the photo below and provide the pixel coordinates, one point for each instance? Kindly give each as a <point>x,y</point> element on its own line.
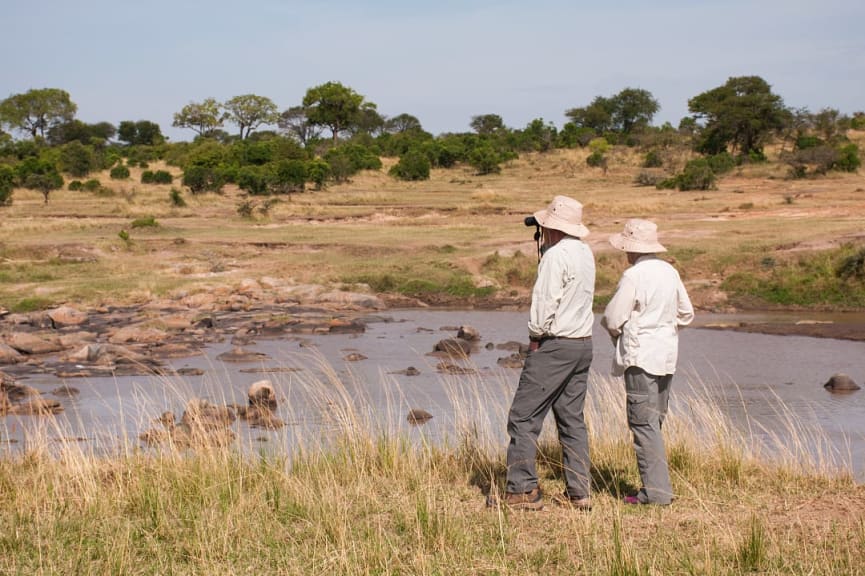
<point>762,382</point>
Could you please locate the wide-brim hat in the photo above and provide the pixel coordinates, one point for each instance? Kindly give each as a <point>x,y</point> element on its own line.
<point>639,236</point>
<point>563,214</point>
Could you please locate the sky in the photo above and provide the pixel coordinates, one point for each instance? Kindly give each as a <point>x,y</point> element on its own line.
<point>443,61</point>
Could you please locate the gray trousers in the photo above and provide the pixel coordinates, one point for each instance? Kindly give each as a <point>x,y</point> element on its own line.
<point>648,399</point>
<point>554,376</point>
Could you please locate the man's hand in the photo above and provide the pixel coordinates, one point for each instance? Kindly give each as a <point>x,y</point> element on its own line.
<point>534,345</point>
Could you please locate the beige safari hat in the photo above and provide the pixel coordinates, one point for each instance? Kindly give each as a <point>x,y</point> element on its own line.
<point>640,237</point>
<point>564,214</point>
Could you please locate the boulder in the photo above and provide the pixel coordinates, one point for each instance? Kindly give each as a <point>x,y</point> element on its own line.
<point>67,316</point>
<point>418,416</point>
<point>261,394</point>
<point>9,355</point>
<point>28,343</point>
<point>201,414</point>
<point>469,333</point>
<point>453,347</point>
<point>841,383</point>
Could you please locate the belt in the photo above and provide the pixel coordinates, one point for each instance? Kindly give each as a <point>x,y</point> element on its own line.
<point>543,339</point>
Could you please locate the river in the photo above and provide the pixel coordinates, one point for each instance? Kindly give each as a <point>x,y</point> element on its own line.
<point>760,382</point>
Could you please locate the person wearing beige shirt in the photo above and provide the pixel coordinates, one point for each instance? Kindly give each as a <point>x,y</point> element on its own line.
<point>643,318</point>
<point>555,374</point>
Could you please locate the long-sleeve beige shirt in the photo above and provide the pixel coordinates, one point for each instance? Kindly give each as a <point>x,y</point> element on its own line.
<point>644,316</point>
<point>563,292</point>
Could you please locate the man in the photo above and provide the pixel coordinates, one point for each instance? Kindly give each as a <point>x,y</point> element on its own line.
<point>643,317</point>
<point>556,369</point>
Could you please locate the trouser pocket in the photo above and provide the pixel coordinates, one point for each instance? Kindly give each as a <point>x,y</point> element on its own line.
<point>640,410</point>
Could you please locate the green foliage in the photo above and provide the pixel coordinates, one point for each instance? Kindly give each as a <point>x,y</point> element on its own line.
<point>333,105</point>
<point>289,176</point>
<point>485,159</point>
<point>199,178</point>
<point>37,111</point>
<point>203,117</point>
<point>318,171</point>
<point>848,159</point>
<point>596,160</point>
<point>141,132</point>
<point>119,173</point>
<point>653,159</point>
<point>176,198</point>
<point>145,222</point>
<point>76,185</point>
<point>630,110</point>
<point>39,174</point>
<point>413,165</point>
<point>249,111</point>
<point>572,136</point>
<point>858,121</point>
<point>76,159</point>
<point>92,185</point>
<point>487,124</point>
<point>7,184</point>
<point>697,175</point>
<point>721,163</point>
<point>125,237</point>
<point>806,141</point>
<point>254,179</point>
<point>741,114</point>
<point>157,177</point>
<point>348,159</point>
<point>518,270</point>
<point>832,278</point>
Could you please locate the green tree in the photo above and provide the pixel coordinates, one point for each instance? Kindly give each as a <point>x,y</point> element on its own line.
<point>250,111</point>
<point>402,123</point>
<point>413,165</point>
<point>333,105</point>
<point>741,114</point>
<point>598,115</point>
<point>78,131</point>
<point>633,109</point>
<point>202,117</point>
<point>487,124</point>
<point>39,174</point>
<point>37,111</point>
<point>76,159</point>
<point>140,132</point>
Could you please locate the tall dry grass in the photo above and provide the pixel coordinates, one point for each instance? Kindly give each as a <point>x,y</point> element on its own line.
<point>348,488</point>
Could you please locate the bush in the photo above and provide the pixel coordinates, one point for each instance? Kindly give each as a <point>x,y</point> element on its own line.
<point>804,142</point>
<point>653,159</point>
<point>76,159</point>
<point>289,176</point>
<point>200,178</point>
<point>485,159</point>
<point>648,179</point>
<point>158,177</point>
<point>76,185</point>
<point>7,184</point>
<point>119,173</point>
<point>597,160</point>
<point>254,179</point>
<point>176,197</point>
<point>145,222</point>
<point>848,159</point>
<point>317,171</point>
<point>91,185</point>
<point>697,175</point>
<point>721,163</point>
<point>413,165</point>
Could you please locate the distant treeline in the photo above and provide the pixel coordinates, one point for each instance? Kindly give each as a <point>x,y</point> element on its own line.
<point>336,132</point>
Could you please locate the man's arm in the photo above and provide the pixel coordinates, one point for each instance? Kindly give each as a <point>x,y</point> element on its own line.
<point>546,295</point>
<point>684,310</point>
<point>619,308</point>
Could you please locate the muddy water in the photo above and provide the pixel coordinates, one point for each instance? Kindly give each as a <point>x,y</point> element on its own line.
<point>760,381</point>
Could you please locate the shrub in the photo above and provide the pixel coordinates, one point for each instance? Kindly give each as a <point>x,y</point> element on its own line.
<point>852,266</point>
<point>119,173</point>
<point>145,222</point>
<point>485,160</point>
<point>596,160</point>
<point>804,142</point>
<point>721,163</point>
<point>413,165</point>
<point>599,145</point>
<point>648,179</point>
<point>158,177</point>
<point>848,159</point>
<point>199,178</point>
<point>652,159</point>
<point>317,171</point>
<point>76,159</point>
<point>289,176</point>
<point>697,175</point>
<point>7,184</point>
<point>176,197</point>
<point>76,185</point>
<point>91,185</point>
<point>253,179</point>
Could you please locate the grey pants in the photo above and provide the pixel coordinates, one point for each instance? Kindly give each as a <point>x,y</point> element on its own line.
<point>648,399</point>
<point>554,376</point>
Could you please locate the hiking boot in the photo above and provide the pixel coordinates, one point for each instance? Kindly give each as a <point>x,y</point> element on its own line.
<point>524,501</point>
<point>566,501</point>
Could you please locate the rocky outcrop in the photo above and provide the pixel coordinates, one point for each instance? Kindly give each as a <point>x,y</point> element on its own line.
<point>841,383</point>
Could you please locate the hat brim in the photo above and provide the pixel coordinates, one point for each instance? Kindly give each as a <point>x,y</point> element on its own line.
<point>619,242</point>
<point>548,220</point>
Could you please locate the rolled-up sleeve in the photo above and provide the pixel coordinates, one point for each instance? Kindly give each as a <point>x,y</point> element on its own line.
<point>684,310</point>
<point>546,295</point>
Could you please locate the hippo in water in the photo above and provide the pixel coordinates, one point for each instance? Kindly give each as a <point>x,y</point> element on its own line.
<point>840,383</point>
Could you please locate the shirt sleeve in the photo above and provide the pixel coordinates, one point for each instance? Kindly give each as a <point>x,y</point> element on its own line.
<point>546,295</point>
<point>684,310</point>
<point>619,308</point>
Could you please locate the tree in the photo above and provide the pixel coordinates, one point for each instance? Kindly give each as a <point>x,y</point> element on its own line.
<point>625,112</point>
<point>202,117</point>
<point>141,132</point>
<point>741,114</point>
<point>402,123</point>
<point>333,105</point>
<point>487,124</point>
<point>37,111</point>
<point>250,111</point>
<point>296,124</point>
<point>633,108</point>
<point>78,131</point>
<point>39,174</point>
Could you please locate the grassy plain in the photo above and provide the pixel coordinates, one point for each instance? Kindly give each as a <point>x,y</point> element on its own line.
<point>456,238</point>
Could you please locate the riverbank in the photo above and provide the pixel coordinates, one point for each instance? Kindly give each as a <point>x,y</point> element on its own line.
<point>361,501</point>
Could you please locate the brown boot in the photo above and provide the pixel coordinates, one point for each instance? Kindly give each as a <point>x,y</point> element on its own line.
<point>573,502</point>
<point>533,500</point>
